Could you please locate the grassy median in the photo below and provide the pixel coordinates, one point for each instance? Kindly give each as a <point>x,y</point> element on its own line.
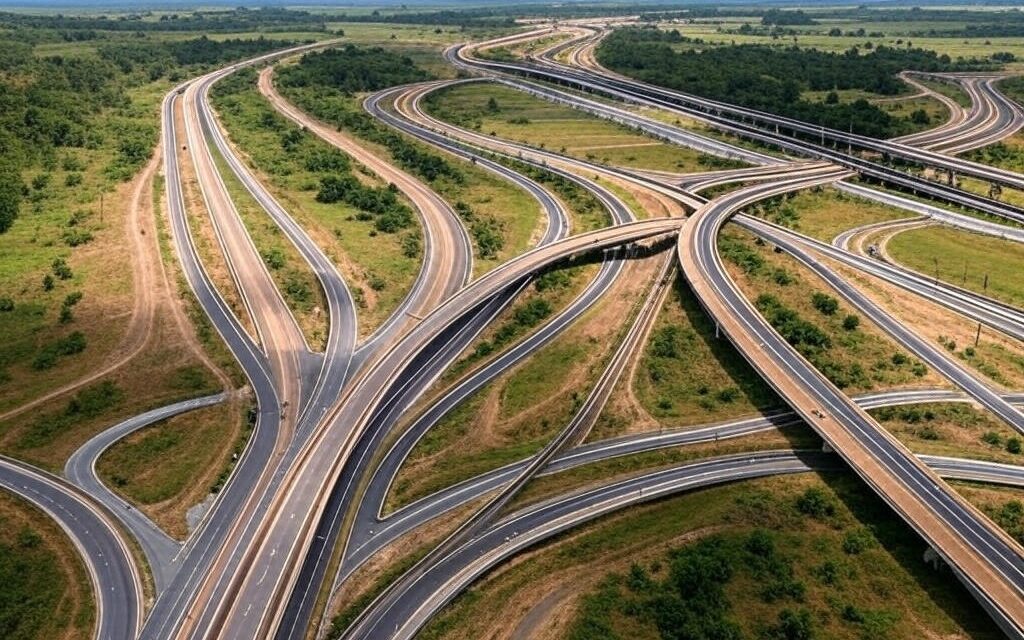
<point>515,115</point>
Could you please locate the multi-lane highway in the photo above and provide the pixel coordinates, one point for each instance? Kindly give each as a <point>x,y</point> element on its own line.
<point>986,559</point>
<point>308,491</point>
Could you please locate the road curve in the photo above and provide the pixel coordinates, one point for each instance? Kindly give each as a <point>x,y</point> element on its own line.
<point>335,366</point>
<point>383,530</point>
<point>116,580</point>
<point>401,618</point>
<point>80,469</point>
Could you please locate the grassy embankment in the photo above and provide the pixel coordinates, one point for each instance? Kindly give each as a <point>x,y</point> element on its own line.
<point>853,354</point>
<point>817,544</point>
<point>47,592</point>
<point>174,464</point>
<point>43,351</point>
<point>823,214</point>
<point>502,219</point>
<point>378,266</point>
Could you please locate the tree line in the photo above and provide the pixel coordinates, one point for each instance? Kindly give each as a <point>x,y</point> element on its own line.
<point>353,69</point>
<point>233,20</point>
<point>772,79</point>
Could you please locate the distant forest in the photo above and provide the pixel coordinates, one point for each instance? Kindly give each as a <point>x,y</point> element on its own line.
<point>772,78</point>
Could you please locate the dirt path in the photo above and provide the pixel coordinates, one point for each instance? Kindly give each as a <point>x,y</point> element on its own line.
<point>529,626</point>
<point>153,293</point>
<point>140,325</point>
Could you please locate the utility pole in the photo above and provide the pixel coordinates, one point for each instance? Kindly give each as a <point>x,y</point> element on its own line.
<point>964,283</point>
<point>936,270</point>
<point>101,207</point>
<point>977,335</point>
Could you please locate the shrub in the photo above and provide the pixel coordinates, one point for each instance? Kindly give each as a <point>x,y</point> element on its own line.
<point>851,322</point>
<point>273,258</point>
<point>664,342</point>
<point>824,303</point>
<point>792,625</point>
<point>992,438</point>
<point>782,277</point>
<point>69,345</point>
<point>61,269</point>
<point>6,304</point>
<point>411,245</point>
<point>857,541</point>
<point>816,503</point>
<point>72,298</point>
<point>1013,445</point>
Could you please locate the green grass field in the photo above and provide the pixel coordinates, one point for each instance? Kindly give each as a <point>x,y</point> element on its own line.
<point>856,357</point>
<point>825,213</point>
<point>517,116</point>
<point>964,259</point>
<point>173,464</point>
<point>957,430</point>
<point>63,207</point>
<point>815,37</point>
<point>688,376</point>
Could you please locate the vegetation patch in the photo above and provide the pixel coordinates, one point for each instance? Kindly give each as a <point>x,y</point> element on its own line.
<point>732,559</point>
<point>855,357</point>
<point>501,218</point>
<point>507,113</point>
<point>981,263</point>
<point>687,375</point>
<point>47,593</point>
<point>952,429</point>
<point>362,224</point>
<point>773,78</point>
<point>170,466</point>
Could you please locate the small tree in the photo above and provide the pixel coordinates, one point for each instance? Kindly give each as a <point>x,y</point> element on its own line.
<point>851,322</point>
<point>920,116</point>
<point>492,105</point>
<point>1013,445</point>
<point>825,303</point>
<point>61,269</point>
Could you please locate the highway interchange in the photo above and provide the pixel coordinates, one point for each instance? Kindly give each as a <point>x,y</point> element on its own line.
<point>304,506</point>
